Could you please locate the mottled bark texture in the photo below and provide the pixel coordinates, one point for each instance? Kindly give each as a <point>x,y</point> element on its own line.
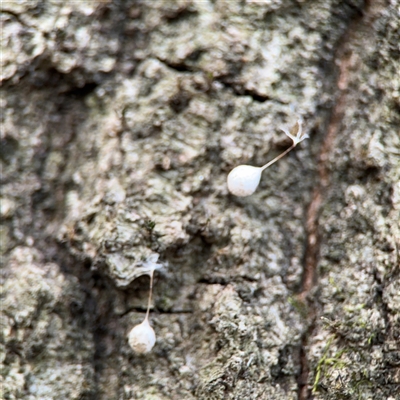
<point>121,122</point>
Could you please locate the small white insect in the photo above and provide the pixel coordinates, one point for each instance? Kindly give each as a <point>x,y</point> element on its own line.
<point>142,337</point>
<point>243,180</point>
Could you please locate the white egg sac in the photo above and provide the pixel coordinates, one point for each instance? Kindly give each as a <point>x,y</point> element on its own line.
<point>142,337</point>
<point>243,180</point>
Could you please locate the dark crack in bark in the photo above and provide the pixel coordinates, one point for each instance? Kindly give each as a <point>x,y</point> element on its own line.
<point>344,60</point>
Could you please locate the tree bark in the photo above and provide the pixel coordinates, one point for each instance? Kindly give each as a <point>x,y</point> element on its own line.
<point>121,122</point>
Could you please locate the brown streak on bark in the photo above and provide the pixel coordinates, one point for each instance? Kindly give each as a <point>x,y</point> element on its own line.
<point>312,224</point>
<point>347,62</point>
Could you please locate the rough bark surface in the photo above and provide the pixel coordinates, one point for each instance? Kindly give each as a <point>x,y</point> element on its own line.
<point>121,122</point>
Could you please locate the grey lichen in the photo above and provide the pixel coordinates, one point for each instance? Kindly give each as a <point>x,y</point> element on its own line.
<point>40,353</point>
